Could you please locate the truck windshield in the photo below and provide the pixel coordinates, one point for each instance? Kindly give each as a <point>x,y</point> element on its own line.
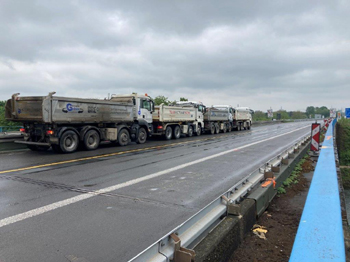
<point>146,105</point>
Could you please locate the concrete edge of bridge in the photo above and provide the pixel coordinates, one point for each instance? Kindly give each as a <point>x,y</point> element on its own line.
<point>320,235</point>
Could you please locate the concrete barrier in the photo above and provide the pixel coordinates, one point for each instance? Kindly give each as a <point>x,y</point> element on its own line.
<point>320,233</point>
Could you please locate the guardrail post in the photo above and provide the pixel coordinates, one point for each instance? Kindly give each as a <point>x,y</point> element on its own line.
<point>182,254</point>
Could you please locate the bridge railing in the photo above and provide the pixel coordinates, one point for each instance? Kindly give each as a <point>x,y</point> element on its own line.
<point>9,128</point>
<point>320,233</point>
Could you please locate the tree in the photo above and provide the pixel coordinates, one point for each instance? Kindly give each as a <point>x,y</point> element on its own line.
<point>323,110</point>
<point>310,111</point>
<point>3,121</point>
<point>281,114</point>
<point>298,115</point>
<point>183,99</point>
<point>259,116</point>
<point>161,100</point>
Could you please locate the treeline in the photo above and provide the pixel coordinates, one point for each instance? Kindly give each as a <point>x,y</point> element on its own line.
<point>310,112</point>
<point>281,114</point>
<point>3,121</point>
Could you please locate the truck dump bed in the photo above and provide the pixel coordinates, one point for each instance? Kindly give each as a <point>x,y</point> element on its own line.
<point>165,113</point>
<point>242,114</point>
<point>214,114</point>
<point>50,109</point>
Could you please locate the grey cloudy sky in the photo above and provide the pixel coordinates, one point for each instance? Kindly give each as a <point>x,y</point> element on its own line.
<point>288,54</point>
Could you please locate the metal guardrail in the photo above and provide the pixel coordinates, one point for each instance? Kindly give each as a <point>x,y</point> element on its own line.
<point>185,234</point>
<point>9,128</point>
<point>320,233</point>
<point>7,141</point>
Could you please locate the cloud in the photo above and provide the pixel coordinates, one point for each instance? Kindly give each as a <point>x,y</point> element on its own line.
<point>259,54</point>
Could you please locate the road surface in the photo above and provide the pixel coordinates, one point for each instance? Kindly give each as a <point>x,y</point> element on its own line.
<point>112,203</point>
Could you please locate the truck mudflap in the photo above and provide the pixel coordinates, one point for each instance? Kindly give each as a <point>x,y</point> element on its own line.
<point>33,143</point>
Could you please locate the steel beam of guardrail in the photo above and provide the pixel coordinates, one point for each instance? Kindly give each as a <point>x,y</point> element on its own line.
<point>320,233</point>
<point>163,250</point>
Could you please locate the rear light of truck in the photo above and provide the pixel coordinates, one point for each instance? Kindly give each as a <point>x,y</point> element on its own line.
<point>159,127</point>
<point>23,130</point>
<point>49,132</point>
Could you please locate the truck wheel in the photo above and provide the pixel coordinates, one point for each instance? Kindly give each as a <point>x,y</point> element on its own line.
<point>224,128</point>
<point>190,131</point>
<point>199,131</point>
<point>212,128</point>
<point>91,140</point>
<point>217,129</point>
<point>123,137</point>
<point>69,142</point>
<point>177,132</point>
<point>229,127</point>
<point>142,136</point>
<point>168,133</point>
<point>248,127</point>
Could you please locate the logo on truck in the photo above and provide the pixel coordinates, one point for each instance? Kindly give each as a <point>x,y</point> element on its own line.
<point>72,108</point>
<point>179,112</point>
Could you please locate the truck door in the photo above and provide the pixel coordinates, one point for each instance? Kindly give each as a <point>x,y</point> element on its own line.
<point>145,111</point>
<point>231,114</point>
<point>200,112</point>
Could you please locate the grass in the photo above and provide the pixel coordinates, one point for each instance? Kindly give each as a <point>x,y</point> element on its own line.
<point>345,174</point>
<point>343,141</point>
<point>294,177</point>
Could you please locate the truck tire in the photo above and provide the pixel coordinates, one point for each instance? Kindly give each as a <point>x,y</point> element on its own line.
<point>91,140</point>
<point>229,127</point>
<point>248,127</point>
<point>217,129</point>
<point>123,137</point>
<point>199,131</point>
<point>212,128</point>
<point>224,128</point>
<point>190,131</point>
<point>142,137</point>
<point>168,133</point>
<point>69,141</point>
<point>177,132</point>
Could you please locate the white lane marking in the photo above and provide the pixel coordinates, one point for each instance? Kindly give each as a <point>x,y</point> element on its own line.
<point>72,200</point>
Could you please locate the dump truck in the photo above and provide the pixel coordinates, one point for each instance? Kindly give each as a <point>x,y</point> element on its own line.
<point>242,118</point>
<point>171,121</point>
<point>218,118</point>
<point>64,123</point>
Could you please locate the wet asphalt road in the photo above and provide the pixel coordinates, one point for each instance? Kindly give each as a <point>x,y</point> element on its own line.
<point>49,209</point>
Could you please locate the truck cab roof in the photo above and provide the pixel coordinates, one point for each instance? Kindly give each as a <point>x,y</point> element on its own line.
<point>189,103</point>
<point>127,97</point>
<point>222,106</point>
